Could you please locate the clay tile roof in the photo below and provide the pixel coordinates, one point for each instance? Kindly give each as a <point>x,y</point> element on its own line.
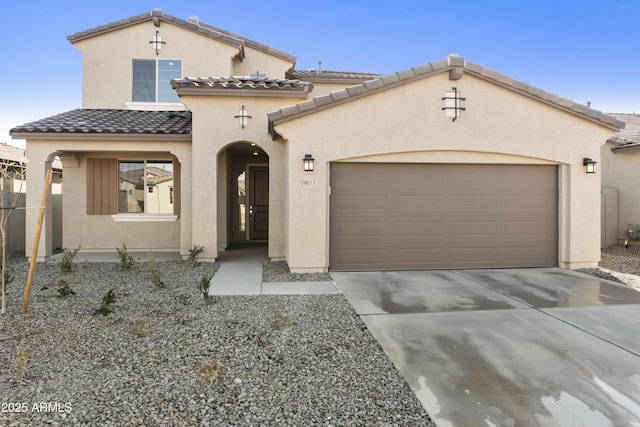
<point>627,139</point>
<point>241,82</point>
<point>103,121</point>
<point>453,63</point>
<point>192,24</point>
<point>331,76</point>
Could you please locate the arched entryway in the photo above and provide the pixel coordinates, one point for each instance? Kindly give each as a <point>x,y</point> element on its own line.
<point>247,190</point>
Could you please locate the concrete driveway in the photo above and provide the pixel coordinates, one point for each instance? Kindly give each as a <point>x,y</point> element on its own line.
<point>520,347</point>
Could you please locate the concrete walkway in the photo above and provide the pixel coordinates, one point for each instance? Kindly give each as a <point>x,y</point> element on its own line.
<point>240,273</point>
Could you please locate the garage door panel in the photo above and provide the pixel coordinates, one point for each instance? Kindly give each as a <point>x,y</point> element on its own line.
<point>358,229</point>
<point>399,216</point>
<point>421,228</point>
<point>417,201</point>
<point>362,201</point>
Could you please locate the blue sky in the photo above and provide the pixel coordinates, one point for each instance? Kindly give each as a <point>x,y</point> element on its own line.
<point>584,50</point>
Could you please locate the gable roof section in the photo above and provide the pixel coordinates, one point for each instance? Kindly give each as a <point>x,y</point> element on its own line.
<point>174,125</point>
<point>628,139</point>
<point>456,66</point>
<point>191,24</point>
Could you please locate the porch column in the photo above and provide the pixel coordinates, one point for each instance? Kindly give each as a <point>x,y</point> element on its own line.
<point>204,197</point>
<point>36,174</point>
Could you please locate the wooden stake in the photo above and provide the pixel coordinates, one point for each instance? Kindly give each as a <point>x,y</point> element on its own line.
<point>36,242</point>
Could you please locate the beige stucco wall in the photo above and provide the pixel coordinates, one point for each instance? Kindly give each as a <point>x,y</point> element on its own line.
<point>214,130</point>
<point>107,60</point>
<point>406,124</point>
<point>617,170</point>
<point>103,233</point>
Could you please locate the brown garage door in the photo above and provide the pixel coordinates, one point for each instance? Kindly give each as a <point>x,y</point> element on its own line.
<point>420,216</point>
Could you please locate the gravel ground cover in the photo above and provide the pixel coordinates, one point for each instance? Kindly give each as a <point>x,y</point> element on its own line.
<point>621,263</point>
<point>278,271</point>
<point>165,357</point>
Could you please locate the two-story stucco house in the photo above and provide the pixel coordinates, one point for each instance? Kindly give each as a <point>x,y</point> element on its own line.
<point>189,134</point>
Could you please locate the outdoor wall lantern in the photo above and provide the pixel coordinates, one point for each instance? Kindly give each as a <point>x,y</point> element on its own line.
<point>157,42</point>
<point>308,163</point>
<point>590,165</point>
<point>243,116</point>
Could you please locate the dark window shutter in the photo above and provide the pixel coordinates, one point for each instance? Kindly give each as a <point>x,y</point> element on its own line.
<point>102,186</point>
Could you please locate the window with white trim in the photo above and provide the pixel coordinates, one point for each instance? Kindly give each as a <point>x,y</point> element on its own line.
<point>152,77</point>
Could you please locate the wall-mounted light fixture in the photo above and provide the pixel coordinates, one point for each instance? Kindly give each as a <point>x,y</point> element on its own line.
<point>243,116</point>
<point>590,165</point>
<point>157,42</point>
<point>452,107</point>
<point>308,162</point>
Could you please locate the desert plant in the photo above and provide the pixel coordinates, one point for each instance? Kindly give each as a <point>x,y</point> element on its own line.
<point>139,330</point>
<point>212,370</point>
<point>19,367</point>
<point>66,261</point>
<point>108,299</point>
<point>194,255</point>
<point>281,321</point>
<point>63,289</point>
<point>204,285</point>
<point>155,275</point>
<point>156,280</point>
<point>8,275</point>
<point>126,260</point>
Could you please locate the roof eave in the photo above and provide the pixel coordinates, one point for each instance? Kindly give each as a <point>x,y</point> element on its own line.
<point>251,93</point>
<point>112,136</point>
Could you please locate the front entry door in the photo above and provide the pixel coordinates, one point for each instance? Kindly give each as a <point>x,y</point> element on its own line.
<point>258,202</point>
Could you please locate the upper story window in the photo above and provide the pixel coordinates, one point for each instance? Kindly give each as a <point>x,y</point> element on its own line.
<point>152,77</point>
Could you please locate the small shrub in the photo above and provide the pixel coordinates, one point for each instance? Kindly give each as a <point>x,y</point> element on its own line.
<point>156,280</point>
<point>105,308</point>
<point>139,330</point>
<point>19,367</point>
<point>63,289</point>
<point>155,275</point>
<point>126,260</point>
<point>281,321</point>
<point>194,255</point>
<point>212,370</point>
<point>204,285</point>
<point>66,262</point>
<point>8,275</point>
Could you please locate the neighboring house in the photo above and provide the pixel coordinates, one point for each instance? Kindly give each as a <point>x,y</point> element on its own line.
<point>444,165</point>
<point>620,187</point>
<point>13,185</point>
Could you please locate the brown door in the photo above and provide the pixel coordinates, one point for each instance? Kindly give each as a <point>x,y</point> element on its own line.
<point>421,216</point>
<point>258,203</point>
